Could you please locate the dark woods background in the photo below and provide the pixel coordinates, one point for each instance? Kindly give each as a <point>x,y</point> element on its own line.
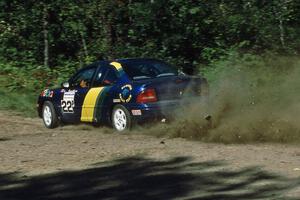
<point>185,33</point>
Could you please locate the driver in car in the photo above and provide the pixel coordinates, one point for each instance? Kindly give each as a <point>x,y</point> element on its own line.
<point>83,84</point>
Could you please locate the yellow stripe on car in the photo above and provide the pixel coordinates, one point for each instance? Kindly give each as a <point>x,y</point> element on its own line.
<point>87,112</point>
<point>117,65</point>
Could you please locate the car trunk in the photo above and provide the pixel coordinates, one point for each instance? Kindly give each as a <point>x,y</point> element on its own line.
<point>174,87</point>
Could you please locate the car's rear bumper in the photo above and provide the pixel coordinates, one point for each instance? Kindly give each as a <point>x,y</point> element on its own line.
<point>153,111</point>
<point>169,109</point>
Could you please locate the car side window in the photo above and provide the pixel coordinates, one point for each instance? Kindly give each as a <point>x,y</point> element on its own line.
<point>99,77</point>
<point>84,78</point>
<point>111,77</point>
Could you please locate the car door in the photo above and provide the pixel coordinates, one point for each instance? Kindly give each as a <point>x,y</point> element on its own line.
<point>99,99</point>
<point>72,98</point>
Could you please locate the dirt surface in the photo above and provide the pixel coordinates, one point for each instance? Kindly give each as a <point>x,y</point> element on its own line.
<point>27,149</point>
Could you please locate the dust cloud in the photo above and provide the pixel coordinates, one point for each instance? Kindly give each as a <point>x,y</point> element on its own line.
<point>245,105</point>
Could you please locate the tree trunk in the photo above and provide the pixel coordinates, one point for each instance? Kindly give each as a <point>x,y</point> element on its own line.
<point>282,34</point>
<point>84,45</point>
<point>46,40</point>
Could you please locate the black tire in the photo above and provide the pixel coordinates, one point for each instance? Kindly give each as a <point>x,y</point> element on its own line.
<point>125,120</point>
<point>49,115</point>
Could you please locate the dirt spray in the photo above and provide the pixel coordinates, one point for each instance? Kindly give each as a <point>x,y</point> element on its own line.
<point>245,105</point>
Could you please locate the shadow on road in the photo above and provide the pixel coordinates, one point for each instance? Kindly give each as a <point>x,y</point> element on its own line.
<point>3,139</point>
<point>139,178</point>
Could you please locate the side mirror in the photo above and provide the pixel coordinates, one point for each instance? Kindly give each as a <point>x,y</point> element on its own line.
<point>65,85</point>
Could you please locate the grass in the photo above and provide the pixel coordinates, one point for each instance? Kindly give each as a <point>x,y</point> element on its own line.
<point>17,99</point>
<point>20,101</point>
<point>20,86</point>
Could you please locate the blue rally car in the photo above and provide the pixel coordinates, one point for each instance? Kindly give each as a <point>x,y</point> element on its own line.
<point>120,93</point>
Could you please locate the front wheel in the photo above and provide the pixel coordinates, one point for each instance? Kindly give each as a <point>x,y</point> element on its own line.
<point>49,115</point>
<point>121,119</point>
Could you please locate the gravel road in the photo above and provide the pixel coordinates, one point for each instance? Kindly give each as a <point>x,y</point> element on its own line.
<point>28,151</point>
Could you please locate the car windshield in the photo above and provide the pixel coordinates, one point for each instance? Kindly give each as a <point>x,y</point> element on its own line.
<point>143,69</point>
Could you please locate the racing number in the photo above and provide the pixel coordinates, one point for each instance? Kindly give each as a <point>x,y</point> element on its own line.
<point>67,103</point>
<point>67,106</point>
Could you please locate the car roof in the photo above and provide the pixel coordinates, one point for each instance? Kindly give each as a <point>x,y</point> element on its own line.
<point>125,60</point>
<point>120,60</point>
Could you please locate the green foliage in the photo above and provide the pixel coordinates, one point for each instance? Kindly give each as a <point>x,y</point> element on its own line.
<point>21,101</point>
<point>185,33</point>
<point>20,86</point>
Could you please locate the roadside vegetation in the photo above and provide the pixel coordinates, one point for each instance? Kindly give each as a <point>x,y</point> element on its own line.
<point>20,87</point>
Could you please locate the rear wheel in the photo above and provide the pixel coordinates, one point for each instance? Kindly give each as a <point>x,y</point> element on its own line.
<point>49,115</point>
<point>121,119</point>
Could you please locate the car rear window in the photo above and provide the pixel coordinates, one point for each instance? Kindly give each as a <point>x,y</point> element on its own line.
<point>143,69</point>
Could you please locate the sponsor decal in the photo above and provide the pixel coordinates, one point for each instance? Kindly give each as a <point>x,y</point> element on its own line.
<point>136,112</point>
<point>125,95</point>
<point>67,103</point>
<point>117,100</point>
<point>47,93</point>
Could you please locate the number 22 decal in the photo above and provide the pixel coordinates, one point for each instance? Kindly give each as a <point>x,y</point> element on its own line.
<point>67,106</point>
<point>67,102</point>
